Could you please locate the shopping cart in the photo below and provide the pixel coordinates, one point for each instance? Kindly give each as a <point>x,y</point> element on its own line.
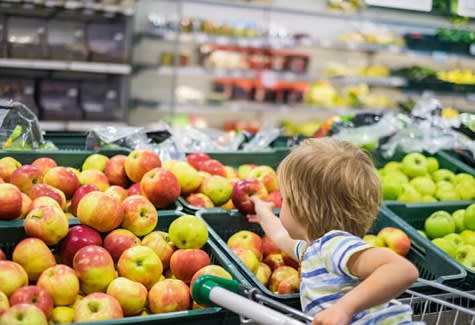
<point>448,306</point>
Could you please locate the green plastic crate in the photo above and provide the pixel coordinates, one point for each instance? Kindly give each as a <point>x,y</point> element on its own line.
<point>215,315</point>
<point>67,140</point>
<point>454,156</point>
<point>414,216</point>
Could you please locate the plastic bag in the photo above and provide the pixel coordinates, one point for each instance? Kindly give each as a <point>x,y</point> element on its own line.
<point>261,141</point>
<point>207,140</point>
<point>116,136</point>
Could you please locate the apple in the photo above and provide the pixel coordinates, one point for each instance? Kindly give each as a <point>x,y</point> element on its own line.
<point>117,192</point>
<point>12,277</point>
<point>228,205</point>
<point>118,240</point>
<point>10,202</point>
<point>445,245</point>
<point>461,177</point>
<point>195,159</point>
<point>169,164</point>
<point>141,264</point>
<point>242,192</point>
<point>115,171</point>
<point>169,295</point>
<point>396,176</point>
<point>443,175</point>
<point>276,198</point>
<point>94,267</point>
<point>211,269</point>
<point>432,164</point>
<point>231,173</point>
<point>25,177</point>
<point>188,231</point>
<point>7,166</point>
<point>139,162</point>
<point>77,238</point>
<point>95,161</point>
<point>469,217</point>
<point>289,261</point>
<point>39,190</point>
<point>444,185</point>
<point>131,295</point>
<point>245,170</point>
<point>284,280</point>
<point>268,246</point>
<point>187,176</point>
<point>395,239</point>
<point>97,306</point>
<point>134,190</point>
<point>78,195</point>
<point>34,256</point>
<point>274,261</point>
<point>63,179</point>
<point>217,188</point>
<point>371,240</point>
<point>95,177</point>
<point>424,185</point>
<point>61,283</point>
<point>160,187</point>
<point>213,167</point>
<point>266,175</point>
<point>439,224</point>
<point>445,194</point>
<point>391,189</point>
<point>33,295</point>
<point>26,204</point>
<point>43,201</point>
<point>100,211</point>
<point>409,194</point>
<point>422,233</point>
<point>414,164</point>
<point>466,189</point>
<point>465,255</point>
<point>428,198</point>
<point>2,255</point>
<point>62,315</point>
<point>44,164</point>
<point>140,216</point>
<point>263,273</point>
<point>247,257</point>
<point>199,200</point>
<point>161,244</point>
<point>184,263</point>
<point>392,165</point>
<point>4,303</point>
<point>47,223</point>
<point>246,239</point>
<point>456,239</point>
<point>468,237</point>
<point>23,314</point>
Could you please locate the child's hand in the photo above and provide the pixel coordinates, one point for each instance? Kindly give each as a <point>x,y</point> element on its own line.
<point>332,316</point>
<point>262,208</point>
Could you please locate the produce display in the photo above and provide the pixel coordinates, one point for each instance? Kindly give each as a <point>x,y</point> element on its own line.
<point>454,234</point>
<point>390,238</point>
<point>418,178</point>
<point>335,69</point>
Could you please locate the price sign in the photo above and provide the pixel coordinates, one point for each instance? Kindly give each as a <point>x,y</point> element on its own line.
<point>419,5</point>
<point>466,8</point>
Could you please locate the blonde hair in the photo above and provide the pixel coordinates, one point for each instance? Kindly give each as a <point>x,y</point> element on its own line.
<point>330,184</point>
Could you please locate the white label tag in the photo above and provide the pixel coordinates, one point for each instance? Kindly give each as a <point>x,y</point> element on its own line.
<point>466,8</point>
<point>419,5</point>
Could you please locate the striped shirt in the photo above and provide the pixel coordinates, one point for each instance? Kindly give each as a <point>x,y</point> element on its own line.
<point>325,278</point>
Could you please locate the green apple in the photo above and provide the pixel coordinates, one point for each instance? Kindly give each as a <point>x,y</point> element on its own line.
<point>95,161</point>
<point>414,164</point>
<point>446,245</point>
<point>456,239</point>
<point>392,165</point>
<point>466,189</point>
<point>391,190</point>
<point>423,185</point>
<point>444,185</point>
<point>396,176</point>
<point>459,216</point>
<point>188,232</point>
<point>409,194</point>
<point>370,239</point>
<point>447,195</point>
<point>439,224</point>
<point>469,217</point>
<point>428,198</point>
<point>459,178</point>
<point>465,255</point>
<point>217,188</point>
<point>468,237</point>
<point>422,233</point>
<point>432,164</point>
<point>443,175</point>
<point>381,173</point>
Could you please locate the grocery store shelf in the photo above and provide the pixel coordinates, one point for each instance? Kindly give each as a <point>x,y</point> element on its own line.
<point>75,126</point>
<point>371,81</point>
<point>77,66</point>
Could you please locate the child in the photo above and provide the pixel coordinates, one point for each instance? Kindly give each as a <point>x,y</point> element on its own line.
<point>331,194</point>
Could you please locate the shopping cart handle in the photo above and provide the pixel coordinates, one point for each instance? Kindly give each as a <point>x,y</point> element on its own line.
<point>205,283</point>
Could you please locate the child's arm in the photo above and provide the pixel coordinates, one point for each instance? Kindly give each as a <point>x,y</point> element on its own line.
<point>386,275</point>
<point>272,227</point>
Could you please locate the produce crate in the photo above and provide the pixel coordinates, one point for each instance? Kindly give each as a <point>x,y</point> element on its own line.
<point>463,157</point>
<point>431,262</point>
<point>11,236</point>
<point>67,140</point>
<point>414,216</point>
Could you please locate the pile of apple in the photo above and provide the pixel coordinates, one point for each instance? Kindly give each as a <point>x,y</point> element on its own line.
<point>207,183</point>
<point>391,238</point>
<point>272,267</point>
<point>454,234</point>
<point>88,278</point>
<point>418,179</point>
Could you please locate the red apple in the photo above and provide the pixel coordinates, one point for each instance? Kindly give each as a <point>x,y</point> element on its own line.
<point>195,159</point>
<point>268,246</point>
<point>24,314</point>
<point>47,223</point>
<point>118,240</point>
<point>395,239</point>
<point>25,177</point>
<point>4,303</point>
<point>245,170</point>
<point>78,195</point>
<point>275,198</point>
<point>134,190</point>
<point>169,295</point>
<point>12,277</point>
<point>43,201</point>
<point>247,257</point>
<point>77,238</point>
<point>289,261</point>
<point>95,177</point>
<point>161,244</point>
<point>139,162</point>
<point>44,164</point>
<point>199,200</point>
<point>63,179</point>
<point>184,263</point>
<point>62,284</point>
<point>242,192</point>
<point>284,280</point>
<point>33,295</point>
<point>117,192</point>
<point>140,216</point>
<point>161,187</point>
<point>10,202</point>
<point>263,273</point>
<point>26,204</point>
<point>97,306</point>
<point>2,255</point>
<point>34,256</point>
<point>266,175</point>
<point>95,268</point>
<point>131,295</point>
<point>246,239</point>
<point>274,261</point>
<point>213,167</point>
<point>115,171</point>
<point>47,190</point>
<point>141,264</point>
<point>214,270</point>
<point>7,166</point>
<point>100,211</point>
